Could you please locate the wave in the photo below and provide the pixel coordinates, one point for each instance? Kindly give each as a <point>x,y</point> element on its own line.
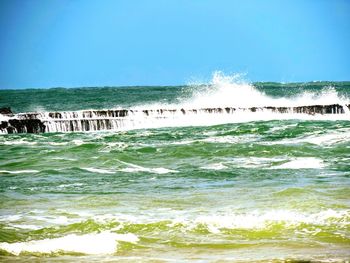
<point>130,168</point>
<point>214,221</point>
<point>268,163</point>
<point>332,137</point>
<point>268,219</point>
<point>226,99</point>
<point>100,243</point>
<point>233,91</point>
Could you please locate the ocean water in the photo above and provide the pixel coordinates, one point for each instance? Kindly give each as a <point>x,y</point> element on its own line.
<point>258,187</point>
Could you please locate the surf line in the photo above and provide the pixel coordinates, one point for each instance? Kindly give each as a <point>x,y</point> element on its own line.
<point>115,119</point>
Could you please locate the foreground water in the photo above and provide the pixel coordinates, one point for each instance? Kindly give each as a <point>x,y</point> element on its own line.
<point>257,190</point>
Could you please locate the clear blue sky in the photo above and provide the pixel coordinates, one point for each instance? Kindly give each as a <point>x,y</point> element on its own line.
<point>168,42</point>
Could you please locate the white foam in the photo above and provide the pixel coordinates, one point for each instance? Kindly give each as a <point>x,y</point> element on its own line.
<point>302,163</point>
<point>137,168</point>
<point>4,117</point>
<point>249,221</point>
<point>78,142</point>
<point>230,139</point>
<point>222,91</point>
<point>18,172</point>
<point>264,219</point>
<point>101,243</point>
<point>207,119</point>
<point>70,185</point>
<point>19,142</point>
<point>214,166</point>
<point>270,163</point>
<point>232,91</point>
<point>30,227</point>
<point>252,162</point>
<point>64,159</point>
<point>159,170</point>
<point>282,127</point>
<point>329,138</point>
<point>121,145</point>
<point>132,168</point>
<point>58,143</point>
<point>184,142</point>
<point>10,218</point>
<point>114,146</point>
<point>98,170</point>
<point>230,218</point>
<point>51,219</point>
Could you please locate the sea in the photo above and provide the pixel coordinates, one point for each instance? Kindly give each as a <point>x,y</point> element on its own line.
<point>243,186</point>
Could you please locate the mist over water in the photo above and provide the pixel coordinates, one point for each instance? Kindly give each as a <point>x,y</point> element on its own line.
<point>256,186</point>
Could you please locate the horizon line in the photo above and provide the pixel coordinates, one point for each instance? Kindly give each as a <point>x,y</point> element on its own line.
<point>174,85</point>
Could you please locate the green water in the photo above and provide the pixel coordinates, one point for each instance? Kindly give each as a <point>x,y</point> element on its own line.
<point>249,191</point>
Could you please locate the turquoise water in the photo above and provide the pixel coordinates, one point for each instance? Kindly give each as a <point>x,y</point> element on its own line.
<point>259,190</point>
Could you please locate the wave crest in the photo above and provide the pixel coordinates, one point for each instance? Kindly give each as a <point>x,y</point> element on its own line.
<point>234,91</point>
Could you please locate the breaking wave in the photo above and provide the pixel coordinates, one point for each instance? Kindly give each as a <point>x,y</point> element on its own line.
<point>217,224</point>
<point>233,91</point>
<point>92,244</point>
<point>226,99</point>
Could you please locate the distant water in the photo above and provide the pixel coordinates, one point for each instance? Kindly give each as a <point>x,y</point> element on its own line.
<point>249,188</point>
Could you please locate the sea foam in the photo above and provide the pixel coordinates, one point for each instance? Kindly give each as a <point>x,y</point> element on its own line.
<point>100,243</point>
<point>302,163</point>
<point>18,171</point>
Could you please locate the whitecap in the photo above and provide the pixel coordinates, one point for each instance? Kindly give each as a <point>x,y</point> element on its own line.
<point>302,163</point>
<point>114,146</point>
<point>100,243</point>
<point>18,172</point>
<point>339,136</point>
<point>225,91</point>
<point>98,170</point>
<point>214,166</point>
<point>70,185</point>
<point>57,143</point>
<point>326,139</point>
<point>78,142</point>
<point>137,168</point>
<point>184,142</point>
<point>159,170</point>
<point>229,139</point>
<point>264,219</point>
<point>19,142</point>
<point>253,162</point>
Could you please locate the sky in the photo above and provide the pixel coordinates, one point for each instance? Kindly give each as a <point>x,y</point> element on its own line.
<point>76,43</point>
